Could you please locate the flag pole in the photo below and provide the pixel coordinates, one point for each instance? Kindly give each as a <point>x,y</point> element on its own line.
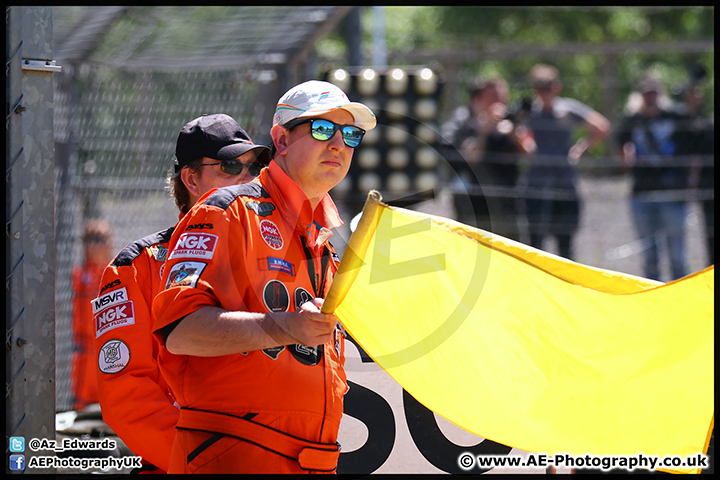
<point>354,252</point>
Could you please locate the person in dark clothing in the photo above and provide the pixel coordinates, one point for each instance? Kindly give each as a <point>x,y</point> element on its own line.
<point>487,145</point>
<point>552,204</point>
<point>696,143</point>
<point>648,141</point>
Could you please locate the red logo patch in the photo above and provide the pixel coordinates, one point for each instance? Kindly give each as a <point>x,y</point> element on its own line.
<point>271,234</point>
<point>118,315</point>
<point>195,245</point>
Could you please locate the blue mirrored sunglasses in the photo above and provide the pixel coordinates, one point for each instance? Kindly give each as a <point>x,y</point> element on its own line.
<point>323,130</point>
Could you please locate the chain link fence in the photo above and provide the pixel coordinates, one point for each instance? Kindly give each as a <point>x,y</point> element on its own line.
<point>123,131</point>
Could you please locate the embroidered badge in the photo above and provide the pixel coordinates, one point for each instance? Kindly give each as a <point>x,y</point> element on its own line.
<point>271,234</point>
<point>185,274</point>
<point>110,298</point>
<point>276,296</point>
<point>112,310</point>
<point>280,265</point>
<point>302,296</point>
<point>114,356</point>
<point>273,352</point>
<point>306,355</point>
<point>195,245</point>
<point>159,252</point>
<point>262,209</point>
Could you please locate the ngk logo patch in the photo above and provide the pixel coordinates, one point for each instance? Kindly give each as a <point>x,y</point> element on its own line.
<point>112,310</point>
<point>195,245</point>
<point>271,234</point>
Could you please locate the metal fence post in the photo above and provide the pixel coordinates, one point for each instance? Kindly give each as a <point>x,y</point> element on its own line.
<point>29,226</point>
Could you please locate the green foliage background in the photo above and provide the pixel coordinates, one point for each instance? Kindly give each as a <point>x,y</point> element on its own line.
<point>144,106</point>
<point>446,28</point>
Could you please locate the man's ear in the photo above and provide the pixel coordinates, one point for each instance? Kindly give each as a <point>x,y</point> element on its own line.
<point>280,138</point>
<point>188,178</point>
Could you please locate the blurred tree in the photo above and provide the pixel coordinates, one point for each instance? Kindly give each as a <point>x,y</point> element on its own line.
<point>459,28</point>
<point>582,24</point>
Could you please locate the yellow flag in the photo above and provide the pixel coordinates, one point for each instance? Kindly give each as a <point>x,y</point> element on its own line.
<point>526,348</point>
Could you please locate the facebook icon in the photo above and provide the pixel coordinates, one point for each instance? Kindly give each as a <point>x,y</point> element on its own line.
<point>17,462</point>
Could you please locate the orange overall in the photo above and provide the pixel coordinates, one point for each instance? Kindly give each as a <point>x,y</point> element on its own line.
<point>134,397</point>
<point>85,282</point>
<point>255,247</point>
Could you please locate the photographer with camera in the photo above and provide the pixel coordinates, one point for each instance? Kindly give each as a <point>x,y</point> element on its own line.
<point>487,146</point>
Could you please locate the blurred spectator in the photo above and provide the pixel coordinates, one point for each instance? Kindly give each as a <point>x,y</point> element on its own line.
<point>486,147</point>
<point>98,251</point>
<point>648,142</point>
<point>696,142</point>
<point>552,204</point>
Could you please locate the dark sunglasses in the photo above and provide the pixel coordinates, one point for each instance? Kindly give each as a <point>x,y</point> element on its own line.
<point>324,130</point>
<point>233,167</point>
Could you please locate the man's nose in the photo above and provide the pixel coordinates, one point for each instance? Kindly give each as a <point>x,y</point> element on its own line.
<point>337,140</point>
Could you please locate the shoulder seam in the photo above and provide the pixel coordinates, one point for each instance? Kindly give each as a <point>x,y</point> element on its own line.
<point>224,196</point>
<point>133,250</point>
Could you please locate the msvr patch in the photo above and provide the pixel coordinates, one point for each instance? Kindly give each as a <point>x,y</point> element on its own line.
<point>112,310</point>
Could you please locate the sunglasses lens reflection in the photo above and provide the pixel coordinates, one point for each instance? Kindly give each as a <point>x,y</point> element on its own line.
<point>324,130</point>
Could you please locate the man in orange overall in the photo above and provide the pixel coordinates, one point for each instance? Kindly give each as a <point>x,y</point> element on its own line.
<point>212,151</point>
<point>255,366</point>
<point>97,244</point>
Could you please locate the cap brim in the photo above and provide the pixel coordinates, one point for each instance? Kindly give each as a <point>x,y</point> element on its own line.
<point>362,115</point>
<point>233,151</point>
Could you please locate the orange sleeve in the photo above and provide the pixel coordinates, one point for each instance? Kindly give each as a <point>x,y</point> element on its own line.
<point>134,397</point>
<point>185,282</point>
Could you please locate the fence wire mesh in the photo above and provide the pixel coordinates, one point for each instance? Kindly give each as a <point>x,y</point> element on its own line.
<point>124,130</point>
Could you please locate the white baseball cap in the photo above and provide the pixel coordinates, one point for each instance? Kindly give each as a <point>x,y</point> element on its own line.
<point>315,97</point>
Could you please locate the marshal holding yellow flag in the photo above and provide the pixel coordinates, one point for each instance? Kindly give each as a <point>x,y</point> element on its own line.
<point>526,348</point>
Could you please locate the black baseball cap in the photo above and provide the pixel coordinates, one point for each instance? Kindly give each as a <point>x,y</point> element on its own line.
<point>217,136</point>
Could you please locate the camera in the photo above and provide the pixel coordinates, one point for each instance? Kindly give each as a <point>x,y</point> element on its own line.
<point>520,111</point>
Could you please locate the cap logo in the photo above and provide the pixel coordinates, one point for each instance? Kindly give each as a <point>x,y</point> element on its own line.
<point>323,95</point>
<point>285,106</point>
